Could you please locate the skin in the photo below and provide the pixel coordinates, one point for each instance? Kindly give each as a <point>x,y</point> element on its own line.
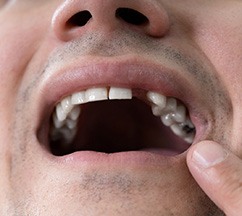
<point>35,42</point>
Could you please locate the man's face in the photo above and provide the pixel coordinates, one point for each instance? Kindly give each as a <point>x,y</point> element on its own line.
<point>64,153</point>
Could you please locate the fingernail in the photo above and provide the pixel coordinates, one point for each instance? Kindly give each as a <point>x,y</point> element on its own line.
<point>208,154</point>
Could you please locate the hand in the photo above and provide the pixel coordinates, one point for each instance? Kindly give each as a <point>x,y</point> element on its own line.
<point>219,174</point>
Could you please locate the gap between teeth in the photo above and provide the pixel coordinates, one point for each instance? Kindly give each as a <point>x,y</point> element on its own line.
<point>67,112</point>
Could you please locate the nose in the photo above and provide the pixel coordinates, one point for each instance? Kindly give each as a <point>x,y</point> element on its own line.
<point>74,17</point>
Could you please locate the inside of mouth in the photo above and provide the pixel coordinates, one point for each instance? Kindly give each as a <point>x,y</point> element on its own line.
<point>120,126</point>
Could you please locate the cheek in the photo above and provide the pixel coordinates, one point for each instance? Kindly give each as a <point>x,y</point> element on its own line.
<point>20,38</point>
<point>224,49</point>
<point>19,42</point>
<point>15,51</point>
<point>221,41</point>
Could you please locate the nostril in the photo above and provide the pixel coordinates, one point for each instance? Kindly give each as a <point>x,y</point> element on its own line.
<point>80,19</point>
<point>72,19</point>
<point>131,16</point>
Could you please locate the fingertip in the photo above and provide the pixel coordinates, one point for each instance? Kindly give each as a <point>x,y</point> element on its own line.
<point>206,154</point>
<point>218,172</point>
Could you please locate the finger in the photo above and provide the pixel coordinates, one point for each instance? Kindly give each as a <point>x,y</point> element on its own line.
<point>219,174</point>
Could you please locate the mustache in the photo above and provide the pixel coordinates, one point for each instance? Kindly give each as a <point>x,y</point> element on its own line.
<point>112,44</point>
<point>122,42</point>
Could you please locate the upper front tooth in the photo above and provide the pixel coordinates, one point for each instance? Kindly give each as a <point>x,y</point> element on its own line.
<point>78,98</point>
<point>120,93</point>
<point>96,94</point>
<point>157,99</point>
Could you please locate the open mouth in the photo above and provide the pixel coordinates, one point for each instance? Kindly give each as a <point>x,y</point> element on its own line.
<point>115,119</point>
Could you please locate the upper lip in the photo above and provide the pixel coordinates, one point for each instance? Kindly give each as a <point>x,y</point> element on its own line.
<point>126,72</point>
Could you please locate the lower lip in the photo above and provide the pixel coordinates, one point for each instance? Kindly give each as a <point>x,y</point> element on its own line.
<point>149,157</point>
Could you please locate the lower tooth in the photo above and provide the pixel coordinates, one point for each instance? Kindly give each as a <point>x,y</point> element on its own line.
<point>67,134</point>
<point>71,124</point>
<point>57,122</point>
<point>55,134</point>
<point>75,113</point>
